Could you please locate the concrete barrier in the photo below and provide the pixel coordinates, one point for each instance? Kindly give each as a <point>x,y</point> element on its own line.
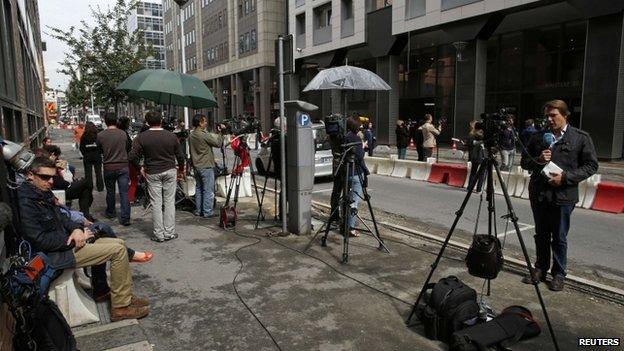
<point>590,191</point>
<point>419,170</point>
<point>468,170</point>
<point>373,163</point>
<point>223,184</point>
<point>385,166</point>
<point>450,173</point>
<point>77,307</point>
<point>527,178</point>
<point>401,169</point>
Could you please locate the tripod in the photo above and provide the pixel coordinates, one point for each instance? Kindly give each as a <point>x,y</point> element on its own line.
<point>241,160</point>
<point>489,165</point>
<point>263,192</point>
<point>347,163</point>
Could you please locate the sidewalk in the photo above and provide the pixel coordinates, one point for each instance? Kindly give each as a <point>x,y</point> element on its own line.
<point>213,289</point>
<point>611,171</point>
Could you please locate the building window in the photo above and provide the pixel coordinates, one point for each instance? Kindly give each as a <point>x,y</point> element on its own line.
<point>347,9</point>
<point>415,8</point>
<point>253,39</point>
<point>449,4</point>
<point>323,16</point>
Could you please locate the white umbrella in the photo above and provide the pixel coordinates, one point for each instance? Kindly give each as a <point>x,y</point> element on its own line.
<point>346,78</point>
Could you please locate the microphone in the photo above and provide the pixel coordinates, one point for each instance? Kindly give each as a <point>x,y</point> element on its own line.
<point>548,139</point>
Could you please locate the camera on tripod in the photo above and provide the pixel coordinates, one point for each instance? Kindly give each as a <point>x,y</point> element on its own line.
<point>493,125</point>
<point>240,125</point>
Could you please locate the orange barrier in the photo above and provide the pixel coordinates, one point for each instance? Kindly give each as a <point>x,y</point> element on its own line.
<point>449,173</point>
<point>609,197</point>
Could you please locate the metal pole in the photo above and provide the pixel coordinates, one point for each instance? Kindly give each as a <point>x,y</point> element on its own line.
<point>92,106</point>
<point>183,47</point>
<point>280,51</point>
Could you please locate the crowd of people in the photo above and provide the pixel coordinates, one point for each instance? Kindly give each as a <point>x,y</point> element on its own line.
<point>75,239</point>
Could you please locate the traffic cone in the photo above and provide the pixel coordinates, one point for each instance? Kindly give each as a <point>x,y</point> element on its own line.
<point>411,144</point>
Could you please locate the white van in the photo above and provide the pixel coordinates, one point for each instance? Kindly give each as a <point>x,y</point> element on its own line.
<point>95,119</point>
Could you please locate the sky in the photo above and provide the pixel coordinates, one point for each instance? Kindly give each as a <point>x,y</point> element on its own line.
<point>62,14</point>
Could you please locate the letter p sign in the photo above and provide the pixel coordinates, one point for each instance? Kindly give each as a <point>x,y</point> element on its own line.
<point>304,119</point>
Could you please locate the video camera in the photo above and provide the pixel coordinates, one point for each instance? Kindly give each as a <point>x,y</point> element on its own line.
<point>335,126</point>
<point>494,124</point>
<point>240,125</point>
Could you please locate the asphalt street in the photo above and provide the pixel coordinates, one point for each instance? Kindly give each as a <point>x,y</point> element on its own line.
<point>595,239</point>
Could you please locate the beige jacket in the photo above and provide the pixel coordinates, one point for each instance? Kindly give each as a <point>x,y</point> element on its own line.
<point>429,134</point>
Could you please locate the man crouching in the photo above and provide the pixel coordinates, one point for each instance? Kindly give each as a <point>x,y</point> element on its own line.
<point>65,242</point>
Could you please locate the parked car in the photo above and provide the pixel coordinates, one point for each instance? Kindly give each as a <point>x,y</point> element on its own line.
<point>95,119</point>
<point>322,156</point>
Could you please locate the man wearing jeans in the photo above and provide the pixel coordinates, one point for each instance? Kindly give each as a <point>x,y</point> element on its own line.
<point>160,149</point>
<point>201,144</point>
<point>113,144</point>
<point>554,195</point>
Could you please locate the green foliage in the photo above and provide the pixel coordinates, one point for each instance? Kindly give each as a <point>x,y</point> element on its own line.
<point>102,54</point>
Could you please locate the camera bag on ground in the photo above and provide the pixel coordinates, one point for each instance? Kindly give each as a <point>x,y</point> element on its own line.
<point>515,323</point>
<point>228,216</point>
<point>39,325</point>
<point>447,308</point>
<point>485,256</point>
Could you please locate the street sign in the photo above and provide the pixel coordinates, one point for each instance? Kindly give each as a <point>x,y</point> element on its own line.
<point>304,119</point>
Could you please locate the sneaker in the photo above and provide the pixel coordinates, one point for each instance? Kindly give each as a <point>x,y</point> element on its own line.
<point>536,276</point>
<point>139,302</point>
<point>171,237</point>
<point>557,283</point>
<point>128,312</point>
<point>212,215</point>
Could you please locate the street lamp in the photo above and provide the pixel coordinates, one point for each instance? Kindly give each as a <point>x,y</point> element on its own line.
<point>181,4</point>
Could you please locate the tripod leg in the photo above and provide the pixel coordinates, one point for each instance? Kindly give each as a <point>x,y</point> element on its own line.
<point>325,227</point>
<point>458,214</point>
<point>514,220</point>
<point>346,211</point>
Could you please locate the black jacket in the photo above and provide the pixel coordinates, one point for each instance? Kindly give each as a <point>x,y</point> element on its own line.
<point>402,136</point>
<point>90,151</point>
<point>574,153</point>
<point>44,227</point>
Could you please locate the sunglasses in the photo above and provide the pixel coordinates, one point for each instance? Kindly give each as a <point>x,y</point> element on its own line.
<point>44,177</point>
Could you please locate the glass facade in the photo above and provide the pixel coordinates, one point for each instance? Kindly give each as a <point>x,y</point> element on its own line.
<point>529,67</point>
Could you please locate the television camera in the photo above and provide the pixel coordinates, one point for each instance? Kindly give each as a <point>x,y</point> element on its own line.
<point>493,125</point>
<point>240,125</point>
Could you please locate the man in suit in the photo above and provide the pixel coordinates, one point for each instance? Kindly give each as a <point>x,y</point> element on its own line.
<point>554,195</point>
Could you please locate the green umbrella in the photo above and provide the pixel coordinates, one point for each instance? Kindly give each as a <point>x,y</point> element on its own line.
<point>168,88</point>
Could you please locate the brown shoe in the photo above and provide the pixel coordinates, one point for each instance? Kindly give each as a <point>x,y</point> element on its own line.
<point>557,283</point>
<point>139,302</point>
<point>128,312</point>
<point>535,276</point>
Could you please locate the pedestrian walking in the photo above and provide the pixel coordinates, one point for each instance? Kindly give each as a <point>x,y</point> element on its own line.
<point>114,144</point>
<point>554,195</point>
<point>429,135</point>
<point>78,131</point>
<point>160,150</point>
<point>91,156</point>
<point>201,143</point>
<point>402,139</point>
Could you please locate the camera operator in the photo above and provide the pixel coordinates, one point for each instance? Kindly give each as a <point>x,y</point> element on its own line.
<point>201,143</point>
<point>476,153</point>
<point>353,125</point>
<point>429,135</point>
<point>554,195</point>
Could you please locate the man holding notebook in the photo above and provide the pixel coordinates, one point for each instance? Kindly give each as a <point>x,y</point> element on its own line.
<point>559,158</point>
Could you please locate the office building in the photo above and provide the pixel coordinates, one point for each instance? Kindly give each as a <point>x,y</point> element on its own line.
<point>229,44</point>
<point>148,16</point>
<point>457,59</point>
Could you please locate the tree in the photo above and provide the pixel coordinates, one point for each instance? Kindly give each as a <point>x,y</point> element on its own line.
<point>102,55</point>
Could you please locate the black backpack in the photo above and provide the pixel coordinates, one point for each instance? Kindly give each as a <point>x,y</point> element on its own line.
<point>450,304</point>
<point>44,328</point>
<point>515,323</point>
<point>485,256</point>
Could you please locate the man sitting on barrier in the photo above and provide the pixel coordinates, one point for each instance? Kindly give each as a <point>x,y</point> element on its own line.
<point>65,242</point>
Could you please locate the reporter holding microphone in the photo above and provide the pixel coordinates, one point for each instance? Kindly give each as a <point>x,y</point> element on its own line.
<point>559,158</point>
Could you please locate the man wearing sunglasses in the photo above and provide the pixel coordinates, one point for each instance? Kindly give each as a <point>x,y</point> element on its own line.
<point>65,242</point>
<point>559,158</point>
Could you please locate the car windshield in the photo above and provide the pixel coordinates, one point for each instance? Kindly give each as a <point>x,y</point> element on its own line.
<point>321,140</point>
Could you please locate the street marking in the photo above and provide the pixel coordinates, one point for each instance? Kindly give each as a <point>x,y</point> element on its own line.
<point>523,227</point>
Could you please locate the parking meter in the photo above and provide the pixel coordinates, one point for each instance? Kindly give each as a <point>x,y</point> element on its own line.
<point>299,165</point>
